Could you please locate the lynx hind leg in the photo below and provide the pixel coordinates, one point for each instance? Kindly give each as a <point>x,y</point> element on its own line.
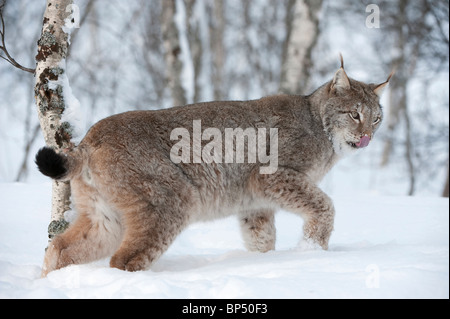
<point>60,251</point>
<point>95,234</point>
<point>258,230</point>
<point>149,231</point>
<point>82,242</point>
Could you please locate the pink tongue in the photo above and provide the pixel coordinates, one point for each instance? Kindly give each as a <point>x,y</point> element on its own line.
<point>363,142</point>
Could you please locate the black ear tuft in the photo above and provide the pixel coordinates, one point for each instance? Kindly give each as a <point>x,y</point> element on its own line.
<point>50,163</point>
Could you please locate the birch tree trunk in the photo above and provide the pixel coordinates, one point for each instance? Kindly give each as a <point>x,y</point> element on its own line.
<point>403,62</point>
<point>196,46</point>
<point>172,52</point>
<point>217,48</point>
<point>49,89</point>
<point>303,32</point>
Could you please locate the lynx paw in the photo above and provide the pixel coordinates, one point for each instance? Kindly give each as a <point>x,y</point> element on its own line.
<point>135,263</point>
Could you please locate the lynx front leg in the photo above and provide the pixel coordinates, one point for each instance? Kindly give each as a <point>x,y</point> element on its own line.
<point>258,230</point>
<point>295,192</point>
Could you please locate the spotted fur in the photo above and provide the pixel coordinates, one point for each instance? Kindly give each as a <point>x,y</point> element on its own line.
<point>133,201</point>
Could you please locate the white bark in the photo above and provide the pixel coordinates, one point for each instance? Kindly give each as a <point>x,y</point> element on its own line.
<point>303,31</point>
<point>49,94</point>
<point>218,48</point>
<point>172,52</point>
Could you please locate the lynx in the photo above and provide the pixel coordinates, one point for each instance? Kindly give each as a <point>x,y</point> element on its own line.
<point>133,200</point>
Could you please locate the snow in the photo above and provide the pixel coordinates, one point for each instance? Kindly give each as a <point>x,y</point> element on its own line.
<point>382,247</point>
<point>72,113</point>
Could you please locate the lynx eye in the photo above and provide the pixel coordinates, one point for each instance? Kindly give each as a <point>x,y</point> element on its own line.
<point>377,120</point>
<point>355,115</point>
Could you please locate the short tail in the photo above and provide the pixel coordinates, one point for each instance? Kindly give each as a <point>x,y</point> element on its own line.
<point>52,164</point>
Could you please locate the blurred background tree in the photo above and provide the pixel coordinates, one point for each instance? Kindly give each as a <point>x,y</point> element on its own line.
<point>242,49</point>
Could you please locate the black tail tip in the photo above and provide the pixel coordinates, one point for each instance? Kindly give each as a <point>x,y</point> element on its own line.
<point>50,163</point>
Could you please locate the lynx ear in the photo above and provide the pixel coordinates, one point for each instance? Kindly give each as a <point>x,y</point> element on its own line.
<point>340,82</point>
<point>378,90</point>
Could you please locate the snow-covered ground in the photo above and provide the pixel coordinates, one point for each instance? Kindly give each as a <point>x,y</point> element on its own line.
<point>382,247</point>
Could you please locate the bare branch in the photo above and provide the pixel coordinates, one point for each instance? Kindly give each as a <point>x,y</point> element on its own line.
<point>8,57</point>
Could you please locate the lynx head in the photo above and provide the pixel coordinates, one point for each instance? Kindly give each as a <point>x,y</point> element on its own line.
<point>351,113</point>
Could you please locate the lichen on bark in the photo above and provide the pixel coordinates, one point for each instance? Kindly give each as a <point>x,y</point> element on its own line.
<point>57,227</point>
